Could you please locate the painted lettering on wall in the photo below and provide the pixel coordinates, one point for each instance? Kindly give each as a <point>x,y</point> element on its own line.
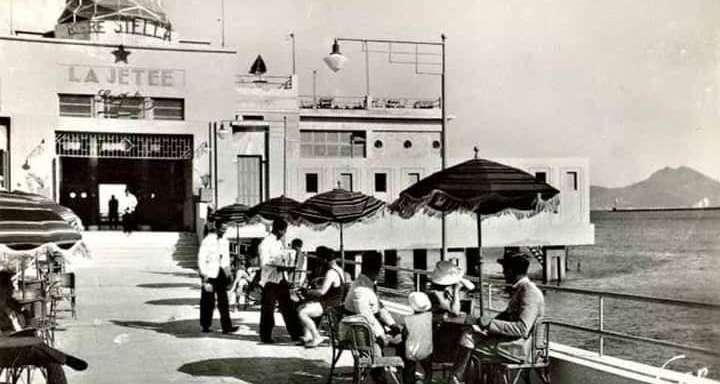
<point>139,77</point>
<point>125,25</point>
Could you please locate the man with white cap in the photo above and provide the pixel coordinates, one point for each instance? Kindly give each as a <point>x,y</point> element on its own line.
<point>506,337</point>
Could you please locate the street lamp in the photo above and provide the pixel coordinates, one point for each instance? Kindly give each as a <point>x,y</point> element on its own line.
<point>336,61</point>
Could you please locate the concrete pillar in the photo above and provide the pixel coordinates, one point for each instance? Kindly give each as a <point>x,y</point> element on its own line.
<point>391,277</point>
<point>554,265</point>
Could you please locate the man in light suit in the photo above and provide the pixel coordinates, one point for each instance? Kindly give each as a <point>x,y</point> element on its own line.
<point>214,266</point>
<point>506,337</point>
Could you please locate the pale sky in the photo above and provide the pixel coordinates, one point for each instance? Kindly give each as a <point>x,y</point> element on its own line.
<point>632,85</point>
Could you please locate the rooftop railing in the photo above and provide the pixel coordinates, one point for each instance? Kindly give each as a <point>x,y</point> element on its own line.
<point>366,102</point>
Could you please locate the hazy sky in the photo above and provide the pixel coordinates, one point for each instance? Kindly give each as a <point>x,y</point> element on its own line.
<point>633,85</point>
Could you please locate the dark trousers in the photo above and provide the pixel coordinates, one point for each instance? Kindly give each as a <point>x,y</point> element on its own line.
<point>207,302</point>
<point>278,293</point>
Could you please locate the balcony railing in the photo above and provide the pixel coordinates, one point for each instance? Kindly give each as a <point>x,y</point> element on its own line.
<point>365,102</point>
<point>265,81</point>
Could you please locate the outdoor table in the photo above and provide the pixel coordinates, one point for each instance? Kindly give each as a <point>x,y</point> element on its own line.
<point>446,338</point>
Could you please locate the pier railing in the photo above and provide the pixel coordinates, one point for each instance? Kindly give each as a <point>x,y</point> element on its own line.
<point>600,330</point>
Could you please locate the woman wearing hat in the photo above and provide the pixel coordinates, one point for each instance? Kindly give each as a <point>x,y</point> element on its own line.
<point>329,294</point>
<point>446,290</point>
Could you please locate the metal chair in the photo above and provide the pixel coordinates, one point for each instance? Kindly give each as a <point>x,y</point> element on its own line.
<point>366,354</point>
<point>63,288</point>
<point>484,370</point>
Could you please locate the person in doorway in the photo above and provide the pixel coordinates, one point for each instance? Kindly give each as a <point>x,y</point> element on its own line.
<point>130,204</point>
<point>113,210</point>
<point>505,337</point>
<point>30,349</point>
<point>324,296</point>
<point>276,289</point>
<point>214,266</point>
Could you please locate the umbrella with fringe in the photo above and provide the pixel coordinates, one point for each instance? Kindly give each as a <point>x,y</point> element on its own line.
<point>280,207</point>
<point>481,187</point>
<point>340,208</point>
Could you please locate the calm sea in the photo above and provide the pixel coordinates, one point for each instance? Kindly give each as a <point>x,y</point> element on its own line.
<point>669,254</point>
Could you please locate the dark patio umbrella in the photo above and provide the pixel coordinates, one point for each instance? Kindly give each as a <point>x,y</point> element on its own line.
<point>66,213</point>
<point>479,186</point>
<point>276,208</point>
<point>28,224</point>
<point>338,207</point>
<point>236,214</point>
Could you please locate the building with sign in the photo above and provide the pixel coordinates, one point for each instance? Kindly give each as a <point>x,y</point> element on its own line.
<point>111,103</point>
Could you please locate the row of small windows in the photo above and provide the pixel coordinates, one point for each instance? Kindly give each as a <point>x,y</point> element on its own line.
<point>121,107</point>
<point>346,181</point>
<point>315,144</point>
<point>407,144</point>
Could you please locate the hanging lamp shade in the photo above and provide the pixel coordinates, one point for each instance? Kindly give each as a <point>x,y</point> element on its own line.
<point>335,61</point>
<point>258,66</point>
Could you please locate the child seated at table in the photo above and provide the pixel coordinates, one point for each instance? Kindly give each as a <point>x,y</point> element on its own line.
<point>417,336</point>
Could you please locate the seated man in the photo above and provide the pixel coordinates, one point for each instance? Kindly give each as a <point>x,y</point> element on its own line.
<point>505,337</point>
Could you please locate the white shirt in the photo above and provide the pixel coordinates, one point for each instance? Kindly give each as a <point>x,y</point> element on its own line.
<point>272,252</point>
<point>214,254</point>
<point>362,300</point>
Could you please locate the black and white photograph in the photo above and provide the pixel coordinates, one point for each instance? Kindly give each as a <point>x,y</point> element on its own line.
<point>360,191</point>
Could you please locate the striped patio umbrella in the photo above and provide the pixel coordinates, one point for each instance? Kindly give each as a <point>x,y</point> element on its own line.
<point>28,224</point>
<point>66,213</point>
<point>233,213</point>
<point>477,186</point>
<point>276,208</point>
<point>339,208</point>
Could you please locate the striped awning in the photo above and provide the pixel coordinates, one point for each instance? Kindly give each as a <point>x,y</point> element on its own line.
<point>28,224</point>
<point>338,206</point>
<point>234,213</point>
<point>66,213</point>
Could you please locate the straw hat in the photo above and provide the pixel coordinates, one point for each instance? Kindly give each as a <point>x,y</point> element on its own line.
<point>419,302</point>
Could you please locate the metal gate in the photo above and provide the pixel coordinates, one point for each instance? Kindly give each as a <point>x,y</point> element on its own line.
<point>123,145</point>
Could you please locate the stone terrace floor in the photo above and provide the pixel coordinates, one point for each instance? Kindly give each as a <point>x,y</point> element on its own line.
<point>137,322</point>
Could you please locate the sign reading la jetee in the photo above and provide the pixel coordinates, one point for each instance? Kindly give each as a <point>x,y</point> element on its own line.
<point>139,77</point>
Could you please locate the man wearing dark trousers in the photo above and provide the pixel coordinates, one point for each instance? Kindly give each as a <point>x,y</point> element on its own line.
<point>214,266</point>
<point>275,288</point>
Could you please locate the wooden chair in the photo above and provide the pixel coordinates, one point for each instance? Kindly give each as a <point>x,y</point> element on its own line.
<point>490,370</point>
<point>366,353</point>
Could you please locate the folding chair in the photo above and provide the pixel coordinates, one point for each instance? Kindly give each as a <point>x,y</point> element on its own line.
<point>482,369</point>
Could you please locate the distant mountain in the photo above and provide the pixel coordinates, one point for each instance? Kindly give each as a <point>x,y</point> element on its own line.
<point>681,187</point>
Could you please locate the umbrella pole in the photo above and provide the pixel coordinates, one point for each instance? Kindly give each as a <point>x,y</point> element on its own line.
<point>342,250</point>
<point>480,261</point>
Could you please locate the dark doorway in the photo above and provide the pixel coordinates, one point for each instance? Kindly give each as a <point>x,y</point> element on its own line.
<point>162,188</point>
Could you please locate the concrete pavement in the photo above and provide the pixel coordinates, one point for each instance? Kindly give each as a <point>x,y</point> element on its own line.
<point>137,322</point>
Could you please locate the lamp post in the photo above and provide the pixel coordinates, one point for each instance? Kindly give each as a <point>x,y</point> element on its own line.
<point>292,37</point>
<point>336,61</point>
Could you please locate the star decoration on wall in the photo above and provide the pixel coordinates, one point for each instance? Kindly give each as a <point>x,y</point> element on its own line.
<point>121,54</point>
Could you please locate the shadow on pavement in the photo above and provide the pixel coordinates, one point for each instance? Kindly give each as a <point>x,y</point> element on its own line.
<point>258,370</point>
<point>195,301</point>
<point>190,328</point>
<point>170,285</point>
<point>177,274</point>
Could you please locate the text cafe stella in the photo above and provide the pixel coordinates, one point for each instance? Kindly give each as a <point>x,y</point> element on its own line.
<point>125,25</point>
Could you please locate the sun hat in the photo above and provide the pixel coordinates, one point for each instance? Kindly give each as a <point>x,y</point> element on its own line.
<point>419,302</point>
<point>446,273</point>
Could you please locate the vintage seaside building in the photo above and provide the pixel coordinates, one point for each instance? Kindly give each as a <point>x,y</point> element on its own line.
<point>112,100</point>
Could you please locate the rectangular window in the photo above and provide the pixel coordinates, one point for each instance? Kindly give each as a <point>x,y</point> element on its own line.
<point>126,108</point>
<point>76,105</point>
<point>347,144</point>
<point>346,181</point>
<point>381,182</point>
<point>168,109</point>
<point>571,180</point>
<point>253,118</point>
<point>311,182</point>
<point>541,177</point>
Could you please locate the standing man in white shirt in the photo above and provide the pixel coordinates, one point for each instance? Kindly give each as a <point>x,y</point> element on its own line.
<point>214,266</point>
<point>276,288</point>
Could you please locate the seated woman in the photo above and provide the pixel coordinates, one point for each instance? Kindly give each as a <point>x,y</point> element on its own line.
<point>327,295</point>
<point>24,348</point>
<point>446,293</point>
